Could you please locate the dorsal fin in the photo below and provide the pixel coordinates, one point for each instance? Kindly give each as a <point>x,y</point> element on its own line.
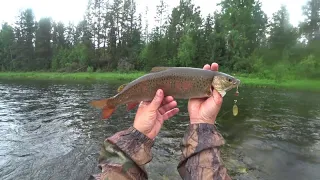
<point>159,68</point>
<point>120,88</point>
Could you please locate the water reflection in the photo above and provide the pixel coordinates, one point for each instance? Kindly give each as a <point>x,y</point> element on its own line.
<point>48,130</point>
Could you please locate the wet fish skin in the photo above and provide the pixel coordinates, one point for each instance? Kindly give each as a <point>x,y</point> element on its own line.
<point>179,82</point>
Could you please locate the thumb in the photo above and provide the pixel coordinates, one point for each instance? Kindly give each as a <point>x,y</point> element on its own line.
<point>157,100</point>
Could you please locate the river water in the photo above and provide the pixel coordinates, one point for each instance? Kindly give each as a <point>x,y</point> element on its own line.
<point>48,131</point>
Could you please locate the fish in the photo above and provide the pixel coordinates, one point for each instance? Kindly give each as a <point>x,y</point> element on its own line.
<point>178,82</point>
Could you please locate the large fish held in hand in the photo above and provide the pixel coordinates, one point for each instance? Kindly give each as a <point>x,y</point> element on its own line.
<point>179,82</point>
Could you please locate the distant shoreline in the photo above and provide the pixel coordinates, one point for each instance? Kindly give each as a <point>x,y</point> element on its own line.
<point>308,85</point>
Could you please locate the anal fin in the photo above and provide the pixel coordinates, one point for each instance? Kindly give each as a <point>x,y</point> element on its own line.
<point>131,106</point>
<point>107,112</point>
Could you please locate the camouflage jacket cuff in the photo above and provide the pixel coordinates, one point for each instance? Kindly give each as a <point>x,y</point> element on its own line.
<point>199,137</point>
<point>134,144</point>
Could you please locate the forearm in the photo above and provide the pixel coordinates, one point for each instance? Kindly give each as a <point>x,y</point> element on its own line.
<point>201,155</point>
<point>124,155</point>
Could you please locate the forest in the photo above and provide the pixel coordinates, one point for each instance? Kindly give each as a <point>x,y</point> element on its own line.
<point>113,37</point>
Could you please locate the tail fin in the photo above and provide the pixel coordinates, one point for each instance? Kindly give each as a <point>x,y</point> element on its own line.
<point>107,110</point>
<point>99,103</point>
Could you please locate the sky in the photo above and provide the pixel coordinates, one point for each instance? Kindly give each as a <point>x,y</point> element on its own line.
<point>73,10</point>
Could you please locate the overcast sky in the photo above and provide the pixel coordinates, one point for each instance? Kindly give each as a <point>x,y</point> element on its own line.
<point>73,10</point>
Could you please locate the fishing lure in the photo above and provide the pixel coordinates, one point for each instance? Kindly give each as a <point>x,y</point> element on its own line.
<point>237,92</point>
<point>235,109</point>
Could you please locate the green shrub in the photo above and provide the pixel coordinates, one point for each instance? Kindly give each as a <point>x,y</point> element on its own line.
<point>90,69</point>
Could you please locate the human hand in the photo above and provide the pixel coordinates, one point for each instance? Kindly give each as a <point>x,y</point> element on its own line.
<point>205,110</point>
<point>151,115</point>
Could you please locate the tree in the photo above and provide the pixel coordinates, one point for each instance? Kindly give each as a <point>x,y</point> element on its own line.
<point>6,47</point>
<point>161,17</point>
<point>311,25</point>
<point>283,35</point>
<point>244,24</point>
<point>25,36</point>
<point>110,36</point>
<point>43,50</point>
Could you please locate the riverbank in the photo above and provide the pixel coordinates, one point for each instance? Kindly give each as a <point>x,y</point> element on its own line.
<point>309,85</point>
<point>71,76</point>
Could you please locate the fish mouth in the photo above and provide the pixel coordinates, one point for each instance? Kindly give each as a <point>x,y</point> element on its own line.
<point>229,88</point>
<point>225,87</point>
<point>236,82</point>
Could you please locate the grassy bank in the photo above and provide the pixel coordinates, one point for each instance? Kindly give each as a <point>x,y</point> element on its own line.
<point>312,85</point>
<point>71,76</point>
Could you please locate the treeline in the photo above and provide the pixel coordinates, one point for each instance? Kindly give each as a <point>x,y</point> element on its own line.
<point>112,36</point>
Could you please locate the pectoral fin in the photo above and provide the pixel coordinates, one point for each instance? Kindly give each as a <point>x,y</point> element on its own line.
<point>222,93</point>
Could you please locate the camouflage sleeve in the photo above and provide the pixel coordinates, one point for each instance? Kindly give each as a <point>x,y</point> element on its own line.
<point>124,155</point>
<point>201,155</point>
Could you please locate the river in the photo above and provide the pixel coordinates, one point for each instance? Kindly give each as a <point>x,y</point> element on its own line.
<point>49,131</point>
